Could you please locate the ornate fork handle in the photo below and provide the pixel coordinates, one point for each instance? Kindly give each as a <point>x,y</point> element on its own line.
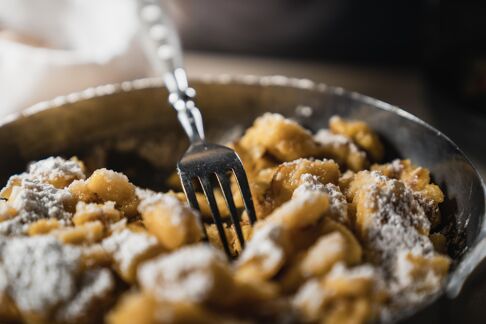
<point>165,52</point>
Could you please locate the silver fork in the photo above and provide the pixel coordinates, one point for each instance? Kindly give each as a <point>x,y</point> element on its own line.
<point>202,161</point>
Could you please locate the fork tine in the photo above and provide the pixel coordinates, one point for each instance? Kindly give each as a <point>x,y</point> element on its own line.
<point>208,191</point>
<point>228,196</point>
<point>245,191</point>
<point>188,188</point>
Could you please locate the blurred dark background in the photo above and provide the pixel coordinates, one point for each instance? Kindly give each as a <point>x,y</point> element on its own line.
<point>367,31</point>
<point>447,39</point>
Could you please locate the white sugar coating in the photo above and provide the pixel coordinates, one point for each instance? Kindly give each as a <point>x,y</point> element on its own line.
<point>6,211</point>
<point>93,207</point>
<point>148,200</point>
<point>301,161</point>
<point>266,246</point>
<point>33,201</point>
<point>308,183</point>
<point>404,268</point>
<point>126,246</point>
<point>309,299</point>
<point>266,117</point>
<point>11,226</point>
<point>392,232</point>
<point>95,285</point>
<point>184,275</point>
<point>409,289</point>
<point>179,211</point>
<point>431,208</point>
<point>338,206</point>
<point>54,168</point>
<point>394,223</point>
<point>41,272</point>
<point>396,167</point>
<point>118,226</point>
<point>328,139</point>
<point>279,176</point>
<point>367,271</point>
<point>143,194</point>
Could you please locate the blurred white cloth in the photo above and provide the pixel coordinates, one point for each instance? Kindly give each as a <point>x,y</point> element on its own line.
<point>84,43</point>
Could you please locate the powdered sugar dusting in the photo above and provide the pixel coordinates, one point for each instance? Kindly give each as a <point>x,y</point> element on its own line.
<point>95,285</point>
<point>362,271</point>
<point>404,273</point>
<point>94,208</point>
<point>395,222</point>
<point>53,168</point>
<point>178,210</point>
<point>184,275</point>
<point>338,206</point>
<point>58,281</point>
<point>41,271</point>
<point>275,117</point>
<point>309,183</point>
<point>126,246</point>
<point>265,245</point>
<point>118,226</point>
<point>143,194</point>
<point>398,227</point>
<point>34,200</point>
<point>310,298</point>
<point>396,168</point>
<point>328,139</point>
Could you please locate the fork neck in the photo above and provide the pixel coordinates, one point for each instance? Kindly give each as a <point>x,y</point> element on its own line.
<point>188,114</point>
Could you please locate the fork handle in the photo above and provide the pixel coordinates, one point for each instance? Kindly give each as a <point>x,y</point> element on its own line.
<point>163,47</point>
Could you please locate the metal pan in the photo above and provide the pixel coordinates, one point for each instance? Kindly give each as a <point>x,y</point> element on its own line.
<point>141,136</point>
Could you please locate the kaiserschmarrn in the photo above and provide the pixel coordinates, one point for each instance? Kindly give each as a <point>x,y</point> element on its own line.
<point>341,237</point>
